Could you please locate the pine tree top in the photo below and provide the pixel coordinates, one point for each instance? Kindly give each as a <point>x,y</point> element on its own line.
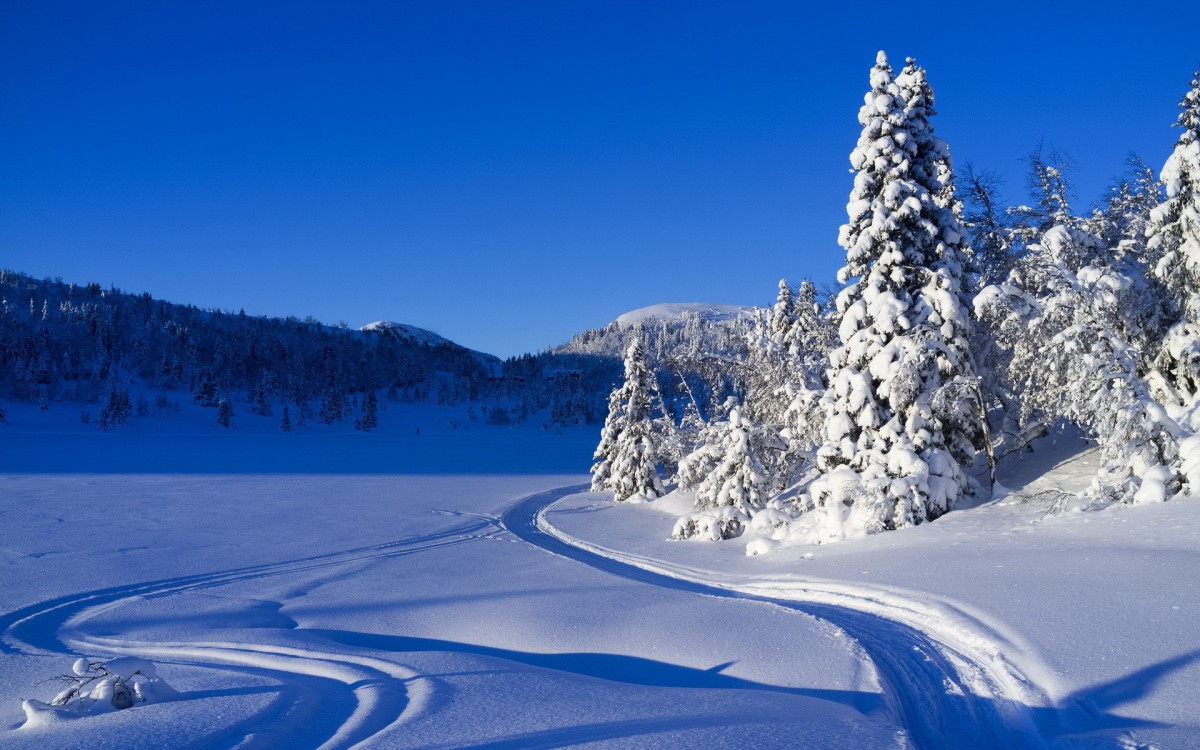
<point>1189,116</point>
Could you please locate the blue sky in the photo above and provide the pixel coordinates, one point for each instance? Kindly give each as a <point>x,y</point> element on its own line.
<point>507,174</point>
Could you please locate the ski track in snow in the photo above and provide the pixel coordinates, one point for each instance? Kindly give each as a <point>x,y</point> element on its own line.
<point>944,677</point>
<point>328,699</point>
<point>945,680</point>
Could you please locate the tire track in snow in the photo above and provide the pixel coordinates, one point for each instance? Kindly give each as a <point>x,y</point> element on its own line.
<point>944,692</point>
<point>356,697</point>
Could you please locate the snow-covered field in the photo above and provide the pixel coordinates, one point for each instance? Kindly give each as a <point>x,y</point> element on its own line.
<point>331,588</point>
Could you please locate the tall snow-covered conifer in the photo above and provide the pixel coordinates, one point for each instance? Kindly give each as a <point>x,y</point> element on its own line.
<point>885,462</point>
<point>1174,237</point>
<point>944,292</point>
<point>627,456</point>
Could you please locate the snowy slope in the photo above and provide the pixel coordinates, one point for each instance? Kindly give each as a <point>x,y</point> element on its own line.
<point>420,337</point>
<point>674,311</point>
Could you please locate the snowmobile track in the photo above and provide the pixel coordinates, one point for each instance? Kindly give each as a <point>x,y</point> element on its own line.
<point>924,692</point>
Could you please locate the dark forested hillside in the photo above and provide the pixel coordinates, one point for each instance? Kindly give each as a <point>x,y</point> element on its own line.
<point>67,342</point>
<point>63,342</point>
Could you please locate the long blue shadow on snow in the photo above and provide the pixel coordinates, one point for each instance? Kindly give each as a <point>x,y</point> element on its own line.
<point>631,670</point>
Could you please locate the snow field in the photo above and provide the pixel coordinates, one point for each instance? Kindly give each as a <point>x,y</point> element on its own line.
<point>344,610</point>
<point>1084,623</point>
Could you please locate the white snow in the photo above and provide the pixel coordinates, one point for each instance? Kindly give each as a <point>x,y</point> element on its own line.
<point>356,590</point>
<point>1086,622</point>
<point>309,606</point>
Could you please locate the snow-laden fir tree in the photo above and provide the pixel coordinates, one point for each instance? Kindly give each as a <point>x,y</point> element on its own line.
<point>117,407</point>
<point>1174,237</point>
<point>626,458</point>
<point>786,349</point>
<point>737,478</point>
<point>728,476</point>
<point>370,409</point>
<point>945,293</point>
<point>1068,316</point>
<point>886,462</point>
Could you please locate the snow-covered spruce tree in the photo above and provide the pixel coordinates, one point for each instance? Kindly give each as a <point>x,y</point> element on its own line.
<point>626,458</point>
<point>738,479</point>
<point>886,462</point>
<point>117,407</point>
<point>782,392</point>
<point>1068,329</point>
<point>729,478</point>
<point>781,318</point>
<point>957,397</point>
<point>370,409</point>
<point>1174,237</point>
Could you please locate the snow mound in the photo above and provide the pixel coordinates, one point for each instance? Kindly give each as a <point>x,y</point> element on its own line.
<point>674,311</point>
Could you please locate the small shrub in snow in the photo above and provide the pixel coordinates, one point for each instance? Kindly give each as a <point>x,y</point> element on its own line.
<point>713,525</point>
<point>96,687</point>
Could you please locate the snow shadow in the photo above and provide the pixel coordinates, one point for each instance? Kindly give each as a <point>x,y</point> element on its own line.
<point>631,670</point>
<point>578,734</point>
<point>1097,702</point>
<point>36,626</point>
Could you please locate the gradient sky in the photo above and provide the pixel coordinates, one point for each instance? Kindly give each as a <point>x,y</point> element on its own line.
<point>510,173</point>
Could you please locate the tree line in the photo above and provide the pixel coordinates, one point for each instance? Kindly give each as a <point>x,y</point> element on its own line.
<point>960,330</point>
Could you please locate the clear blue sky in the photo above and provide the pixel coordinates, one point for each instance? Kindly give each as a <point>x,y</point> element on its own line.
<point>509,173</point>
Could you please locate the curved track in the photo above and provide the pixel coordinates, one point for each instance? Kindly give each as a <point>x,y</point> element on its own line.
<point>927,682</point>
<point>925,692</point>
<point>326,699</point>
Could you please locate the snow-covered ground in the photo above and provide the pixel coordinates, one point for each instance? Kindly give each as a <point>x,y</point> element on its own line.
<point>1086,624</point>
<point>330,588</point>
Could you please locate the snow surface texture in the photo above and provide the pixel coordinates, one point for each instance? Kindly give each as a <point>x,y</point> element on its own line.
<point>337,609</point>
<point>306,610</point>
<point>675,311</point>
<point>1072,629</point>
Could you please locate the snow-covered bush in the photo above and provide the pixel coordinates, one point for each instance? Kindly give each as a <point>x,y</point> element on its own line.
<point>713,525</point>
<point>95,687</point>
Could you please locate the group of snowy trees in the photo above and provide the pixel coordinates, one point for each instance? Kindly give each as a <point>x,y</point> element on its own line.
<point>959,330</point>
<point>83,344</point>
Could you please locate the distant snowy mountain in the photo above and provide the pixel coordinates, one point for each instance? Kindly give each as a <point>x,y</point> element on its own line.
<point>673,311</point>
<point>407,332</point>
<point>421,336</point>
